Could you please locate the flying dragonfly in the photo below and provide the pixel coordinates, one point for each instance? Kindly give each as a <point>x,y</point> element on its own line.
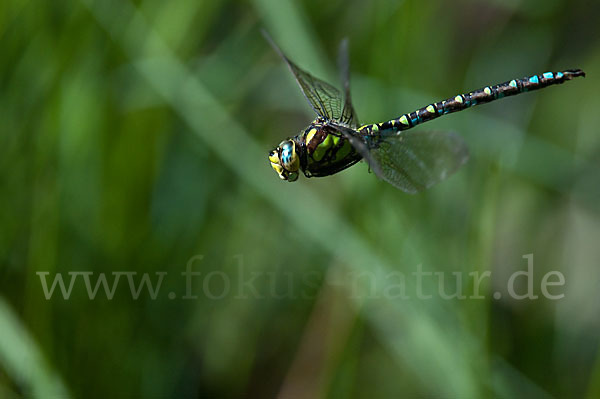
<point>409,160</point>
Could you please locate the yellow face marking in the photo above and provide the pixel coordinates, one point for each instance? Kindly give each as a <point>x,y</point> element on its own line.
<point>458,99</point>
<point>274,158</point>
<point>487,91</point>
<point>277,168</point>
<point>403,120</point>
<point>430,109</point>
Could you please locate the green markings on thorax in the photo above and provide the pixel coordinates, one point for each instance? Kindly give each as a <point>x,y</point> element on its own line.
<point>323,147</point>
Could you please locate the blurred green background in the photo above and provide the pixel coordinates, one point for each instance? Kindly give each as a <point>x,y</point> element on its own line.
<point>134,139</point>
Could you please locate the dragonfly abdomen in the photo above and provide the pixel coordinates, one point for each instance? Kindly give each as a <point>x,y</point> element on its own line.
<point>481,96</point>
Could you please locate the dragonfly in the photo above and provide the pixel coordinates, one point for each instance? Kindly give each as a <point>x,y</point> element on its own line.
<point>410,160</point>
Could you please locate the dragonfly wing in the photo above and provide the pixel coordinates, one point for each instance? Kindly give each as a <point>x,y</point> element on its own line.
<point>361,146</point>
<point>416,160</point>
<point>325,99</point>
<point>348,114</point>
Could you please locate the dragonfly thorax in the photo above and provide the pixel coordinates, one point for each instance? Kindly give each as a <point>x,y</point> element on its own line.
<point>327,150</point>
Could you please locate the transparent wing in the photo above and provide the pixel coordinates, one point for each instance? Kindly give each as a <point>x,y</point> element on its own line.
<point>326,100</point>
<point>416,160</point>
<point>348,114</point>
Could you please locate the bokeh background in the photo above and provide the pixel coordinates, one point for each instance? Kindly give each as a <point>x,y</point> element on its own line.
<point>134,138</point>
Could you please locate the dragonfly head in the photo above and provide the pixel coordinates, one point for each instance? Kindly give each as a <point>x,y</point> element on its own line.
<point>285,160</point>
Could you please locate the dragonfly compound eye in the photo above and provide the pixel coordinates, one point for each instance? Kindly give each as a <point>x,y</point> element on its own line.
<point>289,157</point>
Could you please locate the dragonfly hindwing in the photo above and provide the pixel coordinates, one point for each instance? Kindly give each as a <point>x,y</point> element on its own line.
<point>416,160</point>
